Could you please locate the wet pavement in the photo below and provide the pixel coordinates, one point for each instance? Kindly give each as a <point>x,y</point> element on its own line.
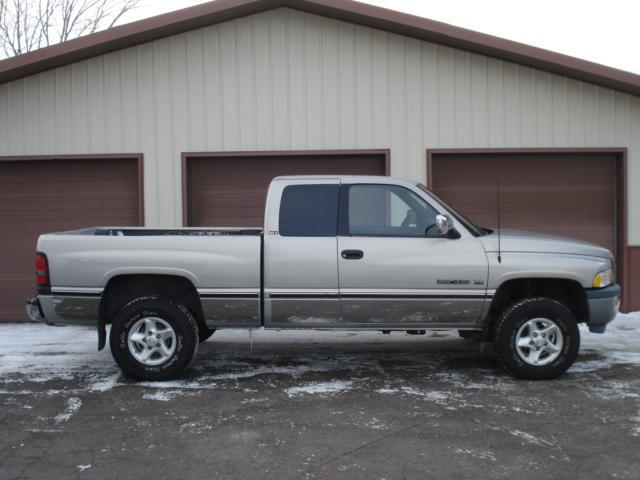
<point>297,405</point>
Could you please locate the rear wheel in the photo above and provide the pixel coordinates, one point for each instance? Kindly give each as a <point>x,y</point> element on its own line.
<point>154,338</point>
<point>537,338</point>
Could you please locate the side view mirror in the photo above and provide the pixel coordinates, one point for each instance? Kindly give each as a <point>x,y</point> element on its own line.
<point>444,224</point>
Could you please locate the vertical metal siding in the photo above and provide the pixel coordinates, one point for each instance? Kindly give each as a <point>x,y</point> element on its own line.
<point>284,79</point>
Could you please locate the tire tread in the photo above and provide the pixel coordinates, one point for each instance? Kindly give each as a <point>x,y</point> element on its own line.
<point>191,320</point>
<point>503,319</point>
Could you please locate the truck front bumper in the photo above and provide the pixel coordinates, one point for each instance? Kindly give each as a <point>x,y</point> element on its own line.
<point>603,306</point>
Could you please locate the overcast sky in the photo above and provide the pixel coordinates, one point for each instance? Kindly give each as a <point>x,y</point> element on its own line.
<point>606,32</point>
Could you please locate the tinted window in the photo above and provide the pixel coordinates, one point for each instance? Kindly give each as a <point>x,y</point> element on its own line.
<point>309,211</point>
<point>389,210</point>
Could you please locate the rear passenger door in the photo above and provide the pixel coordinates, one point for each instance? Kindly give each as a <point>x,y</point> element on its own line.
<point>300,254</point>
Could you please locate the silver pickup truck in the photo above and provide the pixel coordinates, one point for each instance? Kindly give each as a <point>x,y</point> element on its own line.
<point>350,252</point>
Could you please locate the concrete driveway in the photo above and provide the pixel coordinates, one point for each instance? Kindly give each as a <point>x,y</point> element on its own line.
<point>292,405</point>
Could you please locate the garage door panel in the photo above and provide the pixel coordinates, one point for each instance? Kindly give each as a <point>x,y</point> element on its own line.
<point>231,191</point>
<point>44,196</point>
<point>565,194</point>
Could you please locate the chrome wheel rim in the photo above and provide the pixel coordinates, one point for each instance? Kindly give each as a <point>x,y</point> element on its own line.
<point>151,341</point>
<point>539,341</point>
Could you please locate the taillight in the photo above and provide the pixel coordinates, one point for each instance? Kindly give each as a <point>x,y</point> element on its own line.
<point>42,270</point>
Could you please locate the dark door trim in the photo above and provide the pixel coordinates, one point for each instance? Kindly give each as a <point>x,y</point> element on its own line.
<point>620,154</point>
<point>138,157</point>
<point>186,156</point>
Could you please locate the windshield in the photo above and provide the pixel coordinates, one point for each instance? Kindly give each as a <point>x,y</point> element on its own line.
<point>475,230</point>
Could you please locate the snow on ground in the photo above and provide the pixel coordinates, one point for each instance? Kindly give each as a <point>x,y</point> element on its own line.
<point>73,405</point>
<point>619,344</point>
<point>42,362</point>
<point>322,388</point>
<point>161,395</point>
<point>53,380</point>
<point>40,353</point>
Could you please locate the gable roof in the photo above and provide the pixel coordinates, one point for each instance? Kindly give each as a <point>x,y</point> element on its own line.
<point>218,11</point>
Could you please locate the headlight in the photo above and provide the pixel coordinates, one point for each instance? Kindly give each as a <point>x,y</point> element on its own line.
<point>603,279</point>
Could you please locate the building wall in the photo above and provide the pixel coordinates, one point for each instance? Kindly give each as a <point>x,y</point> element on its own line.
<point>284,80</point>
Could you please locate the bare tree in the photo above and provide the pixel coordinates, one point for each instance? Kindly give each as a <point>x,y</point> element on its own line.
<point>27,25</point>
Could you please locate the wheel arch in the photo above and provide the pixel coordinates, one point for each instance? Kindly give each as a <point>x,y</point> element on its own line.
<point>122,288</point>
<point>567,291</point>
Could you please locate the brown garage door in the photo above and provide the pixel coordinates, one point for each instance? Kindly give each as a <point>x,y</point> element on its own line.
<point>230,191</point>
<point>566,194</point>
<point>38,196</point>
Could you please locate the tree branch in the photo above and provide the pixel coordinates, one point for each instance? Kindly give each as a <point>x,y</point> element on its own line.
<point>26,25</point>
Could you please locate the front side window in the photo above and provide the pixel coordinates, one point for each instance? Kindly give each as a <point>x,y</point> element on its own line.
<point>389,210</point>
<point>309,211</point>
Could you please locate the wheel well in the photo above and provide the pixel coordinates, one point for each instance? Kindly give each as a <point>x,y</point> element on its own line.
<point>568,292</point>
<point>123,288</point>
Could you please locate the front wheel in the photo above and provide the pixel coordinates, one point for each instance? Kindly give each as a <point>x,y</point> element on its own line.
<point>537,338</point>
<point>154,338</point>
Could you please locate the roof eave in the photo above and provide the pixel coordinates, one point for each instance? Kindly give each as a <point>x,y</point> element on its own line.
<point>202,15</point>
<point>476,42</point>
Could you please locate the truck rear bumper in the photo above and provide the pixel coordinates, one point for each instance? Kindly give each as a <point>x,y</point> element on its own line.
<point>64,309</point>
<point>34,310</point>
<point>603,307</point>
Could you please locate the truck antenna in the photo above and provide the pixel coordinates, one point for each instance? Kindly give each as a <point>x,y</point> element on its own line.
<point>498,206</point>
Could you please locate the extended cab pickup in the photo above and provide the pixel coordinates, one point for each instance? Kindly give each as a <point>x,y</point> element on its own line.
<point>370,253</point>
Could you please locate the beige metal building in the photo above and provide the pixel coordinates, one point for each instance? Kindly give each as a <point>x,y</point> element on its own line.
<point>183,119</point>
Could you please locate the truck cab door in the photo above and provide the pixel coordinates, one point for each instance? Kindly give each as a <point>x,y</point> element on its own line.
<point>300,254</point>
<point>397,270</point>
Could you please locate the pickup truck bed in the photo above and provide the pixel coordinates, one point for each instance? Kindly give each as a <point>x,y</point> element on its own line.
<point>156,232</point>
<point>221,264</point>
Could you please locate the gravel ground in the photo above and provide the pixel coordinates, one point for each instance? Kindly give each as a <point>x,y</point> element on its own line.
<point>297,405</point>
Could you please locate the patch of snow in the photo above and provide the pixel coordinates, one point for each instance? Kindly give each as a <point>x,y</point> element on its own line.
<point>376,424</point>
<point>613,389</point>
<point>635,431</point>
<point>531,438</point>
<point>253,400</point>
<point>73,405</point>
<point>160,396</point>
<point>104,384</point>
<point>449,400</point>
<point>620,344</point>
<point>179,384</point>
<point>521,410</point>
<point>589,366</point>
<point>431,395</point>
<point>320,388</point>
<point>482,455</point>
<point>386,391</point>
<point>197,427</point>
<point>294,371</point>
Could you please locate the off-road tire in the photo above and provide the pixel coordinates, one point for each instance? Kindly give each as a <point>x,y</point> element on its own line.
<point>507,326</point>
<point>176,315</point>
